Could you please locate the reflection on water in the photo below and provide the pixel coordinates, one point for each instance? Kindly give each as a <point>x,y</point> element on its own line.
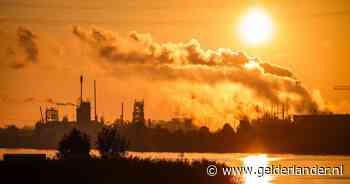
<point>256,162</point>
<point>243,159</point>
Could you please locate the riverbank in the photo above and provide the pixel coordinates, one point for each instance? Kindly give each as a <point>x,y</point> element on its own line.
<point>265,151</point>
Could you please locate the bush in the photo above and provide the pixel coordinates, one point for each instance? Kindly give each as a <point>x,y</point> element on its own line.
<point>74,145</point>
<point>110,143</point>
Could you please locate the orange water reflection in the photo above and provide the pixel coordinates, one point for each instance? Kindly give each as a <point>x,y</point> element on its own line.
<point>256,162</point>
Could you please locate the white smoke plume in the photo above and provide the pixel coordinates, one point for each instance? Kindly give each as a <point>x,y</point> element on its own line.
<point>211,86</point>
<point>13,100</point>
<point>221,73</point>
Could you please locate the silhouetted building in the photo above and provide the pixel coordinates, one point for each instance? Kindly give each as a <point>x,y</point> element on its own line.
<point>51,115</point>
<point>138,115</point>
<point>184,124</point>
<point>272,122</point>
<point>317,119</point>
<point>84,113</point>
<point>244,126</point>
<point>84,108</point>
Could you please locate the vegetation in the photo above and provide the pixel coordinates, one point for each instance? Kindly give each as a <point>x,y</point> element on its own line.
<point>74,145</point>
<point>270,137</point>
<point>125,170</point>
<point>110,143</point>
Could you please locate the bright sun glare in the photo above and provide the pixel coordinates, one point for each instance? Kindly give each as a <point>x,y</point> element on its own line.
<point>256,161</point>
<point>256,27</point>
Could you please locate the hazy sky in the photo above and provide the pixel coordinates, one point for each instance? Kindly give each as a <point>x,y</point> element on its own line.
<point>311,38</point>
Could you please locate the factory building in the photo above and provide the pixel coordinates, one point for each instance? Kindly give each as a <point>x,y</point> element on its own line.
<point>83,113</point>
<point>138,115</point>
<point>51,115</point>
<point>314,119</point>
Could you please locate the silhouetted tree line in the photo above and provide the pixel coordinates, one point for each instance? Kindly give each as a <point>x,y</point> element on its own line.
<point>77,145</point>
<point>97,171</point>
<point>317,138</point>
<point>75,165</point>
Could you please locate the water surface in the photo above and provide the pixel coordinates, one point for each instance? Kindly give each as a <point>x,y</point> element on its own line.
<point>243,159</point>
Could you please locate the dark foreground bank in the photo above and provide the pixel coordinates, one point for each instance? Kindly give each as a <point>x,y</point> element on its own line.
<point>132,170</point>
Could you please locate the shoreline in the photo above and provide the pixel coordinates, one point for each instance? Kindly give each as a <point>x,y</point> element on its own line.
<point>199,152</point>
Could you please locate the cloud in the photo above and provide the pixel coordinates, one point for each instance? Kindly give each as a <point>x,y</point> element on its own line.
<point>139,56</point>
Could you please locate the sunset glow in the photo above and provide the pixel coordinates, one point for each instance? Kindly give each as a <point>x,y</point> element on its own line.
<point>256,161</point>
<point>174,91</point>
<point>256,27</point>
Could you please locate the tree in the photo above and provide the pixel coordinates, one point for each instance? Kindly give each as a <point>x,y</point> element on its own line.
<point>227,130</point>
<point>110,143</point>
<point>74,145</point>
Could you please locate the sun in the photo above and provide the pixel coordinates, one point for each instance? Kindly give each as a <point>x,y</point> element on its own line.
<point>256,27</point>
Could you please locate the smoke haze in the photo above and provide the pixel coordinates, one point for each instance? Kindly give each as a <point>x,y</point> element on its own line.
<point>211,86</point>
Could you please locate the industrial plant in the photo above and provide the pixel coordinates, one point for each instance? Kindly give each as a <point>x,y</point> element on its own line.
<point>84,109</point>
<point>287,132</point>
<point>277,115</point>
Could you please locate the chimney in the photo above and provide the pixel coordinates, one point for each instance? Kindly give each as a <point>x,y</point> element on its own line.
<point>122,114</point>
<point>81,89</point>
<point>42,117</point>
<point>283,111</point>
<point>95,100</point>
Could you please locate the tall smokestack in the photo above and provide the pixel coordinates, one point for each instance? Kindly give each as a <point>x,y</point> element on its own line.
<point>122,113</point>
<point>95,100</point>
<point>283,110</point>
<point>287,108</point>
<point>42,117</point>
<point>81,89</point>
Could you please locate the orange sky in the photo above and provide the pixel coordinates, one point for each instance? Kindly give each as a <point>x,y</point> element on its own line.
<point>311,38</point>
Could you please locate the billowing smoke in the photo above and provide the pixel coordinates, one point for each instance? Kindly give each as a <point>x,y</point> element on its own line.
<point>7,100</point>
<point>276,70</point>
<point>208,76</point>
<point>27,41</point>
<point>59,103</point>
<point>12,100</point>
<point>21,49</point>
<point>210,86</point>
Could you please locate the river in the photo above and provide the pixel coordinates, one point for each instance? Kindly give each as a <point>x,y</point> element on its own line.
<point>254,160</point>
